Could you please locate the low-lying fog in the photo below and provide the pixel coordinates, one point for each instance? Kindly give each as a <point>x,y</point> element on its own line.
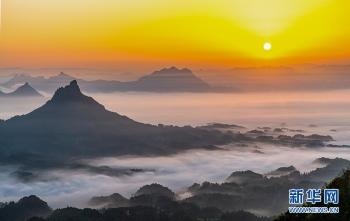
<point>316,112</point>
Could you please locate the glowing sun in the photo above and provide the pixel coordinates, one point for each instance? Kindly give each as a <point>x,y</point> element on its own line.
<point>267,46</point>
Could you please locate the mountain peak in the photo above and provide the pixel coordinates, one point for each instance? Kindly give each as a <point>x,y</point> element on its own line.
<point>69,92</point>
<point>172,79</point>
<point>156,190</point>
<point>31,199</point>
<point>74,84</point>
<point>173,70</point>
<point>73,87</point>
<point>26,86</point>
<point>62,74</point>
<point>72,94</point>
<point>25,90</point>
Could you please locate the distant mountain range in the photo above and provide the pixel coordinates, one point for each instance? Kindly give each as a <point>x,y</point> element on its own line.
<point>23,91</point>
<point>165,80</point>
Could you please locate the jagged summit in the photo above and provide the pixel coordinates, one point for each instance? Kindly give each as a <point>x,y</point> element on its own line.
<point>71,94</point>
<point>71,91</point>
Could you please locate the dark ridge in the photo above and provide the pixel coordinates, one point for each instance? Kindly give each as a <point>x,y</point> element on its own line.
<point>113,201</point>
<point>72,94</point>
<point>24,209</point>
<point>155,189</point>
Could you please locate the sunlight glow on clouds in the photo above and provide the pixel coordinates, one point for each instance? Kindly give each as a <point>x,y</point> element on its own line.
<point>192,32</point>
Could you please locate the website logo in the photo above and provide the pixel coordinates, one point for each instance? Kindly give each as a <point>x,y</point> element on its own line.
<point>300,197</point>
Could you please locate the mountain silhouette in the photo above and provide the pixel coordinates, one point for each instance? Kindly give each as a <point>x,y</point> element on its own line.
<point>72,125</point>
<point>72,94</point>
<point>172,79</point>
<point>113,201</point>
<point>23,91</point>
<point>160,209</point>
<point>165,80</point>
<point>156,190</point>
<point>24,209</point>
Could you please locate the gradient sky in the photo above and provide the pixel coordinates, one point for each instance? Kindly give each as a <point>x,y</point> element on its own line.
<point>148,34</point>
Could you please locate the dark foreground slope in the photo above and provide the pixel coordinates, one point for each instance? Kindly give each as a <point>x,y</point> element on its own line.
<point>35,209</point>
<point>174,212</point>
<point>72,125</point>
<point>23,209</point>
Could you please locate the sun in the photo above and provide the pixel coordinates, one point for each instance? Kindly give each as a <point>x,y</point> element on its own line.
<point>267,46</point>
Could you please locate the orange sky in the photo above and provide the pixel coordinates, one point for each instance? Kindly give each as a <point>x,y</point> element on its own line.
<point>142,35</point>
